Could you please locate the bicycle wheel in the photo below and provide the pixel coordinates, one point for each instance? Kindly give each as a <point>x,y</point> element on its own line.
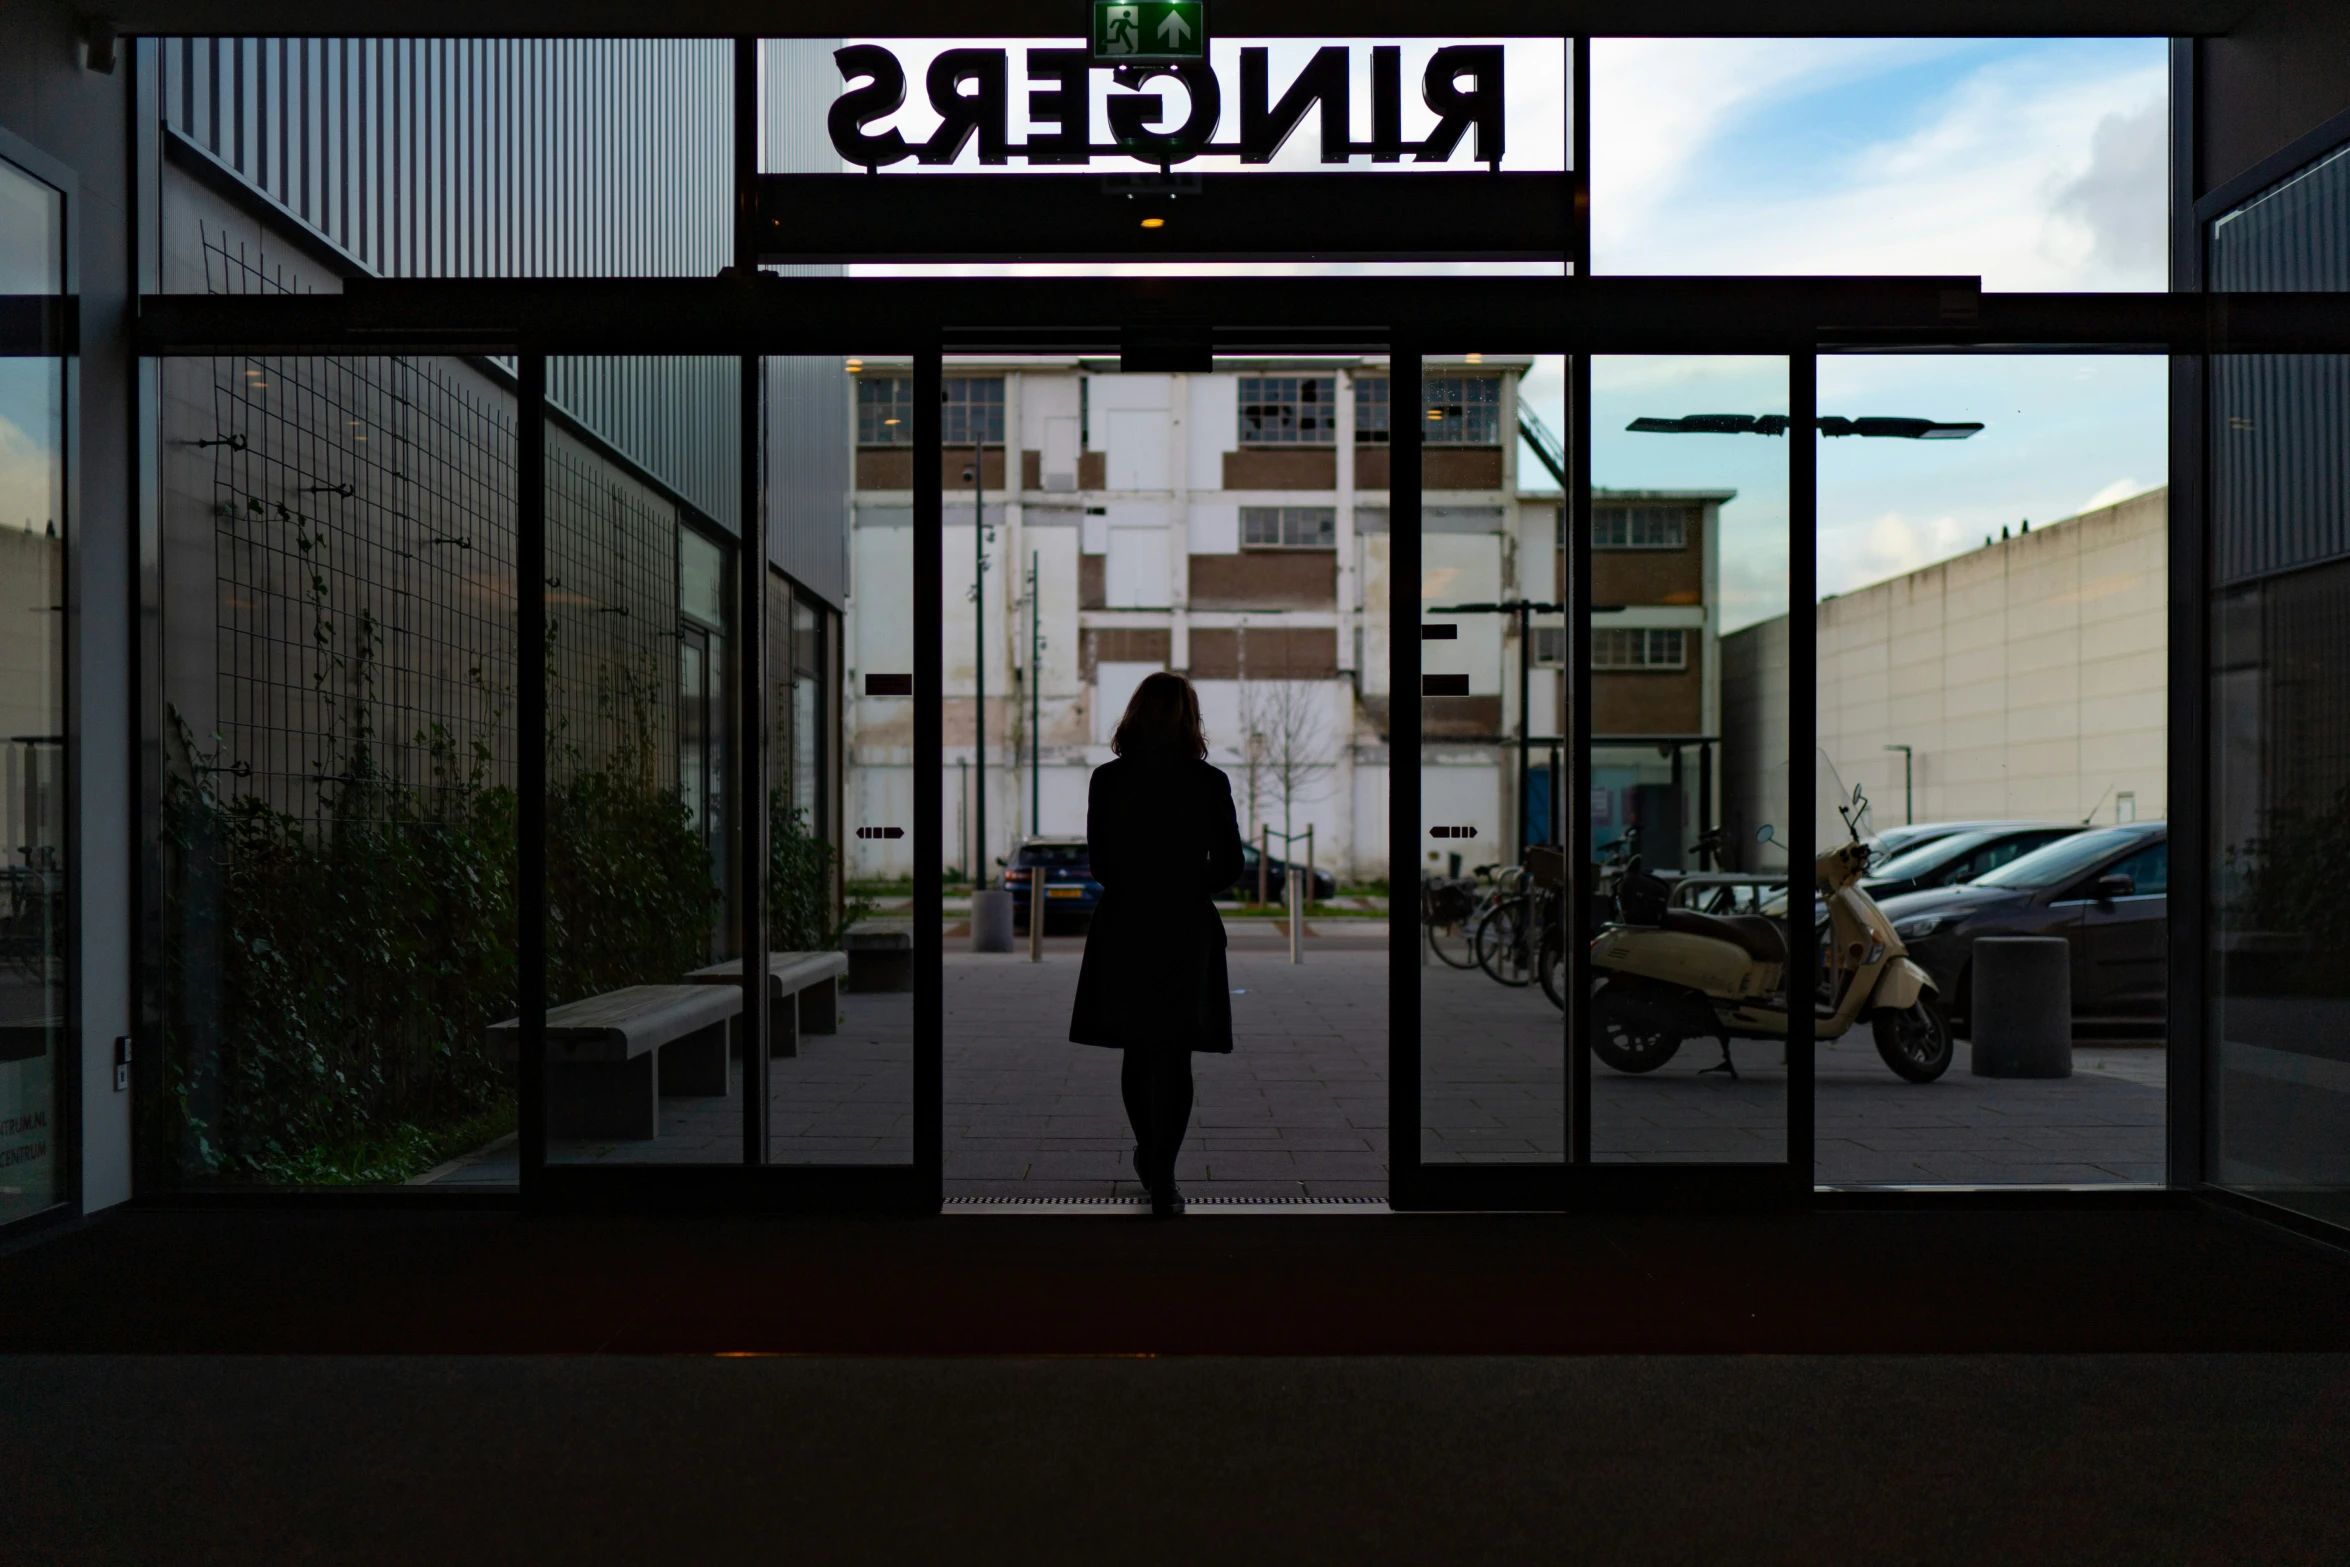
<point>1551,964</point>
<point>1450,937</point>
<point>1505,942</point>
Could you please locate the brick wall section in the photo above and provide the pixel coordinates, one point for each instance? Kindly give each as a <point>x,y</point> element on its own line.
<point>1441,467</point>
<point>1282,468</point>
<point>1123,645</point>
<point>1092,581</point>
<point>1273,653</point>
<point>1266,579</point>
<point>1666,702</point>
<point>892,468</point>
<point>1649,576</point>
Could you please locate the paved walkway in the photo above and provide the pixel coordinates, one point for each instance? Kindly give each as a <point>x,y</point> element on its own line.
<point>1299,1109</point>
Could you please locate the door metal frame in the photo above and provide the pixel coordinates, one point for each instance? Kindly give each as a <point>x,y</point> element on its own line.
<point>1794,317</point>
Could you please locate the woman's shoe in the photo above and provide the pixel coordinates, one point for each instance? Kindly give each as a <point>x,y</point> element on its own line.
<point>1166,1201</point>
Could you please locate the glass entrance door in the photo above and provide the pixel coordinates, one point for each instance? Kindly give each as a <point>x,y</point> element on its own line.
<point>737,909</point>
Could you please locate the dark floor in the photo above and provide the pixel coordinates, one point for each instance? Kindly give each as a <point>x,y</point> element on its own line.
<point>2131,1460</point>
<point>2179,1277</point>
<point>2156,1384</point>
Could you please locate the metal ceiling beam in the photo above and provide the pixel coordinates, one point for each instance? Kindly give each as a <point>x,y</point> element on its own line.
<point>1237,316</point>
<point>1232,19</point>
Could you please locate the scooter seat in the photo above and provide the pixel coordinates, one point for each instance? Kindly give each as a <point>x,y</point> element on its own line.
<point>1759,938</point>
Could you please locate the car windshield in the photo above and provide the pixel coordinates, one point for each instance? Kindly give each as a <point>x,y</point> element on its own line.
<point>1055,854</point>
<point>1928,857</point>
<point>2061,860</point>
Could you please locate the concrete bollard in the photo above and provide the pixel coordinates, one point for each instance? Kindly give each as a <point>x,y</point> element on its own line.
<point>2023,1007</point>
<point>991,921</point>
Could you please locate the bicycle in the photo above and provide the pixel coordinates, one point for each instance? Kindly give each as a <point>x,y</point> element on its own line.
<point>1450,909</point>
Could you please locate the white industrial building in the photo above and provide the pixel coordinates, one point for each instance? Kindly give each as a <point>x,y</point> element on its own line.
<point>1231,525</point>
<point>2028,680</point>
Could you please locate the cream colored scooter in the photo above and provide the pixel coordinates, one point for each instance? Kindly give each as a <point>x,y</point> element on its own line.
<point>1665,975</point>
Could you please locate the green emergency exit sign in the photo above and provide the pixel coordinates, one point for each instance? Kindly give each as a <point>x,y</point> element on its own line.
<point>1145,30</point>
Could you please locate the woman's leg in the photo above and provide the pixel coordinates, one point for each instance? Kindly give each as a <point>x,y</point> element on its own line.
<point>1155,1082</point>
<point>1172,1066</point>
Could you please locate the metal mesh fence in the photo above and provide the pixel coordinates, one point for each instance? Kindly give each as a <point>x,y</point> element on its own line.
<point>363,547</point>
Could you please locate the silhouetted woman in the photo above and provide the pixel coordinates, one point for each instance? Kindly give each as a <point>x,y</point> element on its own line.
<point>1163,842</point>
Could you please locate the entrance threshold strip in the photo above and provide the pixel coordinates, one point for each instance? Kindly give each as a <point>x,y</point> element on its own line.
<point>1143,1206</point>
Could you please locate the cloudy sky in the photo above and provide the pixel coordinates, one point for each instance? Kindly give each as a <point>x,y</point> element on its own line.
<point>2035,164</point>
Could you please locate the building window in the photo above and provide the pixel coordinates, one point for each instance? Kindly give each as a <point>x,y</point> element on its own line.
<point>1288,410</point>
<point>885,410</point>
<point>1463,410</point>
<point>1639,527</point>
<point>1289,527</point>
<point>1550,646</point>
<point>974,410</point>
<point>1370,410</point>
<point>1639,647</point>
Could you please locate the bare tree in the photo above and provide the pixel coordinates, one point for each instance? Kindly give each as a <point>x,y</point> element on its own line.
<point>1285,740</point>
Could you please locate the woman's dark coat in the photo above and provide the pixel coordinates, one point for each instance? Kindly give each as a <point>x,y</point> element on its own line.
<point>1163,841</point>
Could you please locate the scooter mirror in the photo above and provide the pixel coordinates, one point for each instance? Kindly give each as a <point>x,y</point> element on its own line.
<point>1762,834</point>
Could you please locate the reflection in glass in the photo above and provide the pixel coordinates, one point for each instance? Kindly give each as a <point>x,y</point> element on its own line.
<point>338,796</point>
<point>1490,882</point>
<point>641,1058</point>
<point>2280,812</point>
<point>32,670</point>
<point>1992,673</point>
<point>1689,760</point>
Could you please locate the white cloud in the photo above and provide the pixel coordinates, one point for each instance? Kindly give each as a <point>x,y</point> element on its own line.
<point>2031,170</point>
<point>2118,490</point>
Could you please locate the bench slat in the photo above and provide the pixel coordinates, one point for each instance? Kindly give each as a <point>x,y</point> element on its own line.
<point>787,972</point>
<point>620,1024</point>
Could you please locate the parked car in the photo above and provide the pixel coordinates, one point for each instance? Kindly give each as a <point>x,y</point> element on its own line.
<point>2104,890</point>
<point>1960,857</point>
<point>1276,879</point>
<point>1728,892</point>
<point>1065,869</point>
<point>1887,842</point>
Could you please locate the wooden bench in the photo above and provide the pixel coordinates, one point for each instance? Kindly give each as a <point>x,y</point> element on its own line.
<point>881,955</point>
<point>612,1058</point>
<point>813,977</point>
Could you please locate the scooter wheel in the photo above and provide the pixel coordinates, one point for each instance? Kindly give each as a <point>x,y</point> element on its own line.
<point>1915,1043</point>
<point>1630,1035</point>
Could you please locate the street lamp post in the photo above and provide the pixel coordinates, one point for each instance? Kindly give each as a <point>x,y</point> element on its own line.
<point>1909,815</point>
<point>979,658</point>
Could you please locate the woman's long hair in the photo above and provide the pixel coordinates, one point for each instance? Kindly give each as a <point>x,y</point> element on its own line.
<point>1162,720</point>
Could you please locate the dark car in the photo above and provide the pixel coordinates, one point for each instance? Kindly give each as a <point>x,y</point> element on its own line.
<point>2104,890</point>
<point>1889,841</point>
<point>1276,879</point>
<point>1960,857</point>
<point>1066,870</point>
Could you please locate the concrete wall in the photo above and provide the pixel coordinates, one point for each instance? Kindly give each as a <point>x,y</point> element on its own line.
<point>2028,676</point>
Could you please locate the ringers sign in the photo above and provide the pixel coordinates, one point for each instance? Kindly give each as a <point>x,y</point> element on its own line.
<point>968,90</point>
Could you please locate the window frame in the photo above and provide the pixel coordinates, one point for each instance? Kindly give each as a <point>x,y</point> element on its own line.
<point>1602,636</point>
<point>1251,432</point>
<point>1283,519</point>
